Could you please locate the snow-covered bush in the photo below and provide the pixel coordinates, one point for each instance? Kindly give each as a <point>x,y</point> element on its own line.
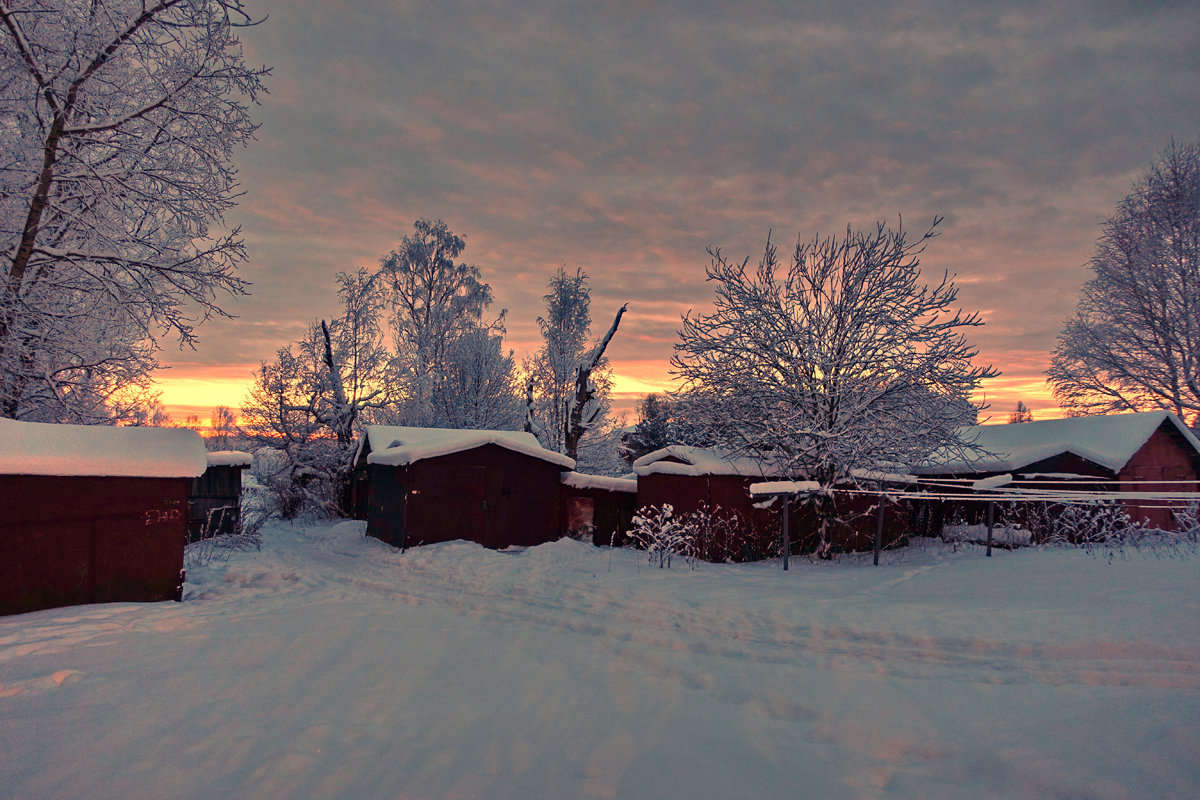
<point>720,535</point>
<point>663,535</point>
<point>213,545</point>
<point>1002,535</point>
<point>1188,520</point>
<point>303,480</point>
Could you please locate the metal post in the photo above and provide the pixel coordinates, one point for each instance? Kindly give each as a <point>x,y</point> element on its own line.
<point>787,540</point>
<point>991,516</point>
<point>879,527</point>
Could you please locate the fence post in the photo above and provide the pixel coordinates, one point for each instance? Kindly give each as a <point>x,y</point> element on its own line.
<point>990,519</point>
<point>879,527</point>
<point>787,539</point>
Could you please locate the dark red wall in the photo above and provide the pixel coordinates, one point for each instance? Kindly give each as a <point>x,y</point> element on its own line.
<point>731,494</point>
<point>609,512</point>
<point>1166,456</point>
<point>489,494</point>
<point>71,540</point>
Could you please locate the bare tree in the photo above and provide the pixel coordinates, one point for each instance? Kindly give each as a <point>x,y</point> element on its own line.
<point>353,368</point>
<point>222,428</point>
<point>589,405</point>
<point>840,361</point>
<point>1134,342</point>
<point>119,123</point>
<point>300,472</point>
<point>307,404</point>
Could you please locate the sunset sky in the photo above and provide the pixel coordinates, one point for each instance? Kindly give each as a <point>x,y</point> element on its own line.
<point>626,137</point>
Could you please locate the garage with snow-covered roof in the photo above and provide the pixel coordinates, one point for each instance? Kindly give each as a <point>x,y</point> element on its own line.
<point>1131,456</point>
<point>597,507</point>
<point>93,514</point>
<point>692,479</point>
<point>215,498</point>
<point>425,485</point>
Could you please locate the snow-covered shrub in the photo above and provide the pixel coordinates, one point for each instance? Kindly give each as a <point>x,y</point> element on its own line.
<point>1002,535</point>
<point>305,480</point>
<point>663,535</point>
<point>213,545</point>
<point>1092,524</point>
<point>720,535</point>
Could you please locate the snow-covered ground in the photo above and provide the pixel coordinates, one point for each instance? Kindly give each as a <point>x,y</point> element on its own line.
<point>333,666</point>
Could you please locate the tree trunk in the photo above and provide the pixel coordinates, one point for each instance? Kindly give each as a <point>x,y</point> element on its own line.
<point>577,426</point>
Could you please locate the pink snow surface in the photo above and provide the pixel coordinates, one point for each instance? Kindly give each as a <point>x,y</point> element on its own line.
<point>330,665</point>
<point>34,448</point>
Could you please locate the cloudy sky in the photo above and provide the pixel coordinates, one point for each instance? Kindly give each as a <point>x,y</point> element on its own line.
<point>625,137</point>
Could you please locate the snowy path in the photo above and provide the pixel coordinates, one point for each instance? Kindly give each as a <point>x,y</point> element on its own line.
<point>333,666</point>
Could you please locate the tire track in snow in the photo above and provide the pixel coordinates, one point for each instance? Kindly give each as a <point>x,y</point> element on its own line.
<point>527,594</point>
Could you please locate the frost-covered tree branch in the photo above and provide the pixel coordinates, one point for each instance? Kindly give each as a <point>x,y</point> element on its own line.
<point>1134,342</point>
<point>840,360</point>
<point>118,124</point>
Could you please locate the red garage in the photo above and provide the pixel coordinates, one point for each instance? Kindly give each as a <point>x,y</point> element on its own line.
<point>690,479</point>
<point>1135,456</point>
<point>597,507</point>
<point>497,488</point>
<point>93,514</point>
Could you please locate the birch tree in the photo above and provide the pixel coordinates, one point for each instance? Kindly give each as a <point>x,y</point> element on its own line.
<point>838,361</point>
<point>565,329</point>
<point>568,386</point>
<point>118,124</point>
<point>1134,342</point>
<point>478,389</point>
<point>434,300</point>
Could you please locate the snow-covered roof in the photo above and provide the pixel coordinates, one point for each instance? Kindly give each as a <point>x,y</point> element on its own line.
<point>678,459</point>
<point>580,480</point>
<point>229,458</point>
<point>1109,441</point>
<point>38,448</point>
<point>395,445</point>
<point>783,487</point>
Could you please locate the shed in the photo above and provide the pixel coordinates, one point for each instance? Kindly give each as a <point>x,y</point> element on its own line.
<point>93,514</point>
<point>215,498</point>
<point>497,488</point>
<point>1150,452</point>
<point>597,507</point>
<point>690,478</point>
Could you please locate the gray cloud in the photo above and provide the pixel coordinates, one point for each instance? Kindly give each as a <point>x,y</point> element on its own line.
<point>625,137</point>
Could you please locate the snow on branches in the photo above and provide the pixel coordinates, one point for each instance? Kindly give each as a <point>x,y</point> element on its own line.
<point>840,360</point>
<point>1134,342</point>
<point>120,123</point>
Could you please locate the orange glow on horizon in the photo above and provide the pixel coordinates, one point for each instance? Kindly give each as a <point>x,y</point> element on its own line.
<point>200,393</point>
